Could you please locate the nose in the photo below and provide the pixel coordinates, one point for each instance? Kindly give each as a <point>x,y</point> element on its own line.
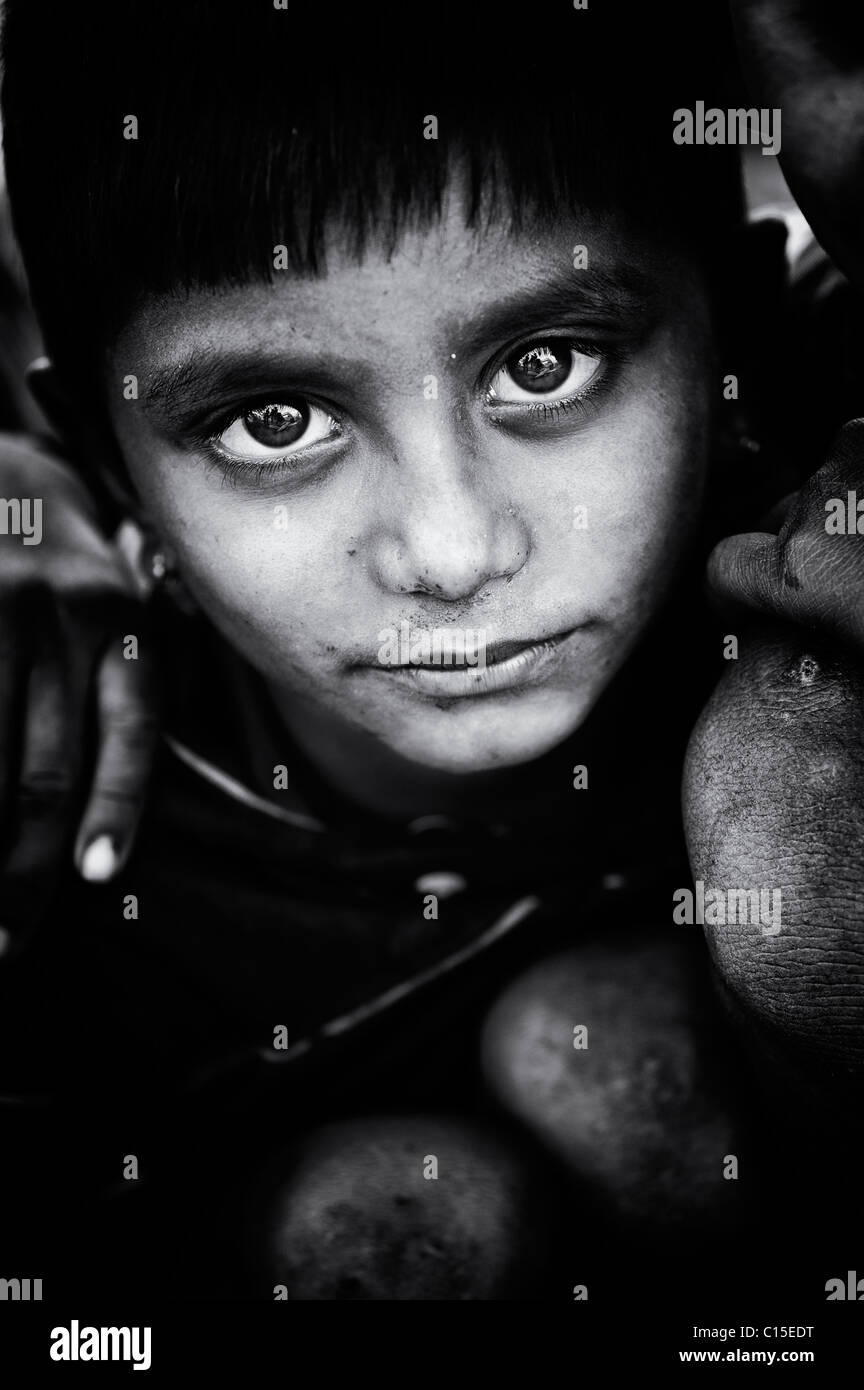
<point>444,528</point>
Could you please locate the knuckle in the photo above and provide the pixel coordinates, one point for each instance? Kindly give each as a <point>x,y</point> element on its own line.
<point>787,564</point>
<point>795,564</point>
<point>42,790</point>
<point>132,727</point>
<point>811,565</point>
<point>117,795</point>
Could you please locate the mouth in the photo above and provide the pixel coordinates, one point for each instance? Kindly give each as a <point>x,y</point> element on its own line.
<point>508,666</point>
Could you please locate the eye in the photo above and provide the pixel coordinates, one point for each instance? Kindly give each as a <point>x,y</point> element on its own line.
<point>276,428</point>
<point>549,370</point>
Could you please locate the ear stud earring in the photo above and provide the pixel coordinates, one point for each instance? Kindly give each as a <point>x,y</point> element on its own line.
<point>158,566</point>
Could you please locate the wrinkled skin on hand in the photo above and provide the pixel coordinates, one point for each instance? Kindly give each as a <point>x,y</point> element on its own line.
<point>774,797</point>
<point>66,607</point>
<point>774,780</point>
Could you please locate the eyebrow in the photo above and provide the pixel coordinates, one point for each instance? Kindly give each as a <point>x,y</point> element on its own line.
<point>206,374</point>
<point>624,299</point>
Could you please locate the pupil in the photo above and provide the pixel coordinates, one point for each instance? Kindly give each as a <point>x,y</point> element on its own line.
<point>276,425</point>
<point>540,369</point>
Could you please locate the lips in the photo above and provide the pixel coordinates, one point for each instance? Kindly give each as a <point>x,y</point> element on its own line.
<point>494,654</point>
<point>502,651</point>
<point>508,667</point>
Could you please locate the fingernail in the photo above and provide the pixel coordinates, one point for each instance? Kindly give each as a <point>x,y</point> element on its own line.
<point>99,860</point>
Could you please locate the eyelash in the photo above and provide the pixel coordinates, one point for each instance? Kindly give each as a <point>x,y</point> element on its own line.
<point>237,472</point>
<point>546,410</point>
<point>611,357</point>
<point>246,473</point>
<point>250,472</point>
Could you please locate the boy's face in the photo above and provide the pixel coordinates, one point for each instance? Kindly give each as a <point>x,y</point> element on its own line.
<point>472,435</point>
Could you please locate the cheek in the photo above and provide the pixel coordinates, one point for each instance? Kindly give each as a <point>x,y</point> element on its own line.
<point>657,467</point>
<point>253,565</point>
<point>626,505</point>
<point>659,481</point>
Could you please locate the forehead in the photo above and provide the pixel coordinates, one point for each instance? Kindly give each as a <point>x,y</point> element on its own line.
<point>443,282</point>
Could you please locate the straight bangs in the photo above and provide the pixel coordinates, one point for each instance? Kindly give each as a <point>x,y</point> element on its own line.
<point>167,146</point>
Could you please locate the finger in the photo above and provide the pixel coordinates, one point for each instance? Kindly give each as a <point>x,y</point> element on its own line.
<point>11,677</point>
<point>50,775</point>
<point>811,572</point>
<point>799,582</point>
<point>742,572</point>
<point>128,732</point>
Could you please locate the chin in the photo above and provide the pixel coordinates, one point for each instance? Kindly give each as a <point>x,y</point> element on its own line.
<point>487,733</point>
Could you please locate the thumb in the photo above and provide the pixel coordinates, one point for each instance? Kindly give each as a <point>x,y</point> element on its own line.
<point>744,571</point>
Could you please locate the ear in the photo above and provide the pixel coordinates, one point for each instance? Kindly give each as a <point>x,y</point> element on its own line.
<point>86,441</point>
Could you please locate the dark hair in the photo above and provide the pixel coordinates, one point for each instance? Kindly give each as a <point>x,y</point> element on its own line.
<point>258,126</point>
